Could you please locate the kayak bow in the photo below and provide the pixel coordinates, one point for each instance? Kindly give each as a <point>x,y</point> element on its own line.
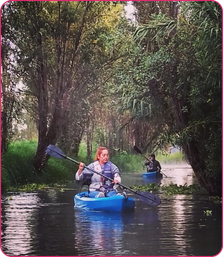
<point>117,203</point>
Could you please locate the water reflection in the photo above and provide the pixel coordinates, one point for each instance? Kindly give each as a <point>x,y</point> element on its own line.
<point>18,218</point>
<point>180,213</point>
<point>30,220</point>
<point>47,224</point>
<point>179,174</point>
<point>152,179</point>
<point>100,231</point>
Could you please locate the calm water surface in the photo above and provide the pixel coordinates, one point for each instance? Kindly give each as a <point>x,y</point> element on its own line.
<point>46,223</point>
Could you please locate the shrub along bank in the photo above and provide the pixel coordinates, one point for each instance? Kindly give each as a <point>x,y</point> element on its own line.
<point>17,167</point>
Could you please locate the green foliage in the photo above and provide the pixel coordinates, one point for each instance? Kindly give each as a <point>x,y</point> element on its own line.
<point>29,187</point>
<point>66,50</point>
<point>5,179</point>
<point>32,187</point>
<point>80,59</point>
<point>82,154</point>
<point>208,212</point>
<point>17,162</point>
<point>151,187</point>
<point>17,167</point>
<point>58,170</point>
<point>128,163</point>
<point>178,74</point>
<point>216,199</point>
<point>171,189</point>
<point>182,189</point>
<point>177,157</point>
<point>157,30</point>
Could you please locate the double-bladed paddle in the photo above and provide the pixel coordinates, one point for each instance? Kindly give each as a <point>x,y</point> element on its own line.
<point>140,152</point>
<point>146,197</point>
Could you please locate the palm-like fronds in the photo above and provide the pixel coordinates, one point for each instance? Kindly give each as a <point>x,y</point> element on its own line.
<point>158,28</point>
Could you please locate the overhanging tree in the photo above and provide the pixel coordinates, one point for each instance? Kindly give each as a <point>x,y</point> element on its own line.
<point>62,53</point>
<point>179,76</point>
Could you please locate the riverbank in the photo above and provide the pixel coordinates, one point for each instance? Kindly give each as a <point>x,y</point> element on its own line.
<point>17,169</point>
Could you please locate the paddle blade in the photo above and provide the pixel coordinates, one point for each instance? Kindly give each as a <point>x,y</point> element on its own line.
<point>163,173</point>
<point>148,198</point>
<point>137,149</point>
<point>55,151</point>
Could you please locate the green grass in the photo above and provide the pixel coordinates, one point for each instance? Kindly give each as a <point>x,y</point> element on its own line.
<point>128,163</point>
<point>17,163</point>
<point>17,167</point>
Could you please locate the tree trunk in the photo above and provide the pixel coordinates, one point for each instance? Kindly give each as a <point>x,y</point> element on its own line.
<point>40,156</point>
<point>213,185</point>
<point>89,132</point>
<point>4,132</point>
<point>42,107</point>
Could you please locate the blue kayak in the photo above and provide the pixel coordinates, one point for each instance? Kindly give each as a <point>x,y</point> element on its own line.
<point>152,174</point>
<point>116,203</point>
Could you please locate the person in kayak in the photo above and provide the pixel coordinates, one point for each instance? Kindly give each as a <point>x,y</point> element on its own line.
<point>100,186</point>
<point>153,165</point>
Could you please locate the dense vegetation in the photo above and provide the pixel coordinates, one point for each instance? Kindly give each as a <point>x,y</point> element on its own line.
<point>77,71</point>
<point>18,170</point>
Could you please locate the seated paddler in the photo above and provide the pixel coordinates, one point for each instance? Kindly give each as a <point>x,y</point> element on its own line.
<point>100,186</point>
<point>152,164</point>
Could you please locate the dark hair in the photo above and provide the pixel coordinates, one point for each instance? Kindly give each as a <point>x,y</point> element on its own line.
<point>152,155</point>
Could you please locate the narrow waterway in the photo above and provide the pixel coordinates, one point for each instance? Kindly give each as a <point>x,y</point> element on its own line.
<point>47,224</point>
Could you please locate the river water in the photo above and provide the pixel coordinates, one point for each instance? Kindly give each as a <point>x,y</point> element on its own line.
<point>47,224</point>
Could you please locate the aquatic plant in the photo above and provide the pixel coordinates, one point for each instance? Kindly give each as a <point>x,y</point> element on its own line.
<point>208,212</point>
<point>170,189</point>
<point>32,187</point>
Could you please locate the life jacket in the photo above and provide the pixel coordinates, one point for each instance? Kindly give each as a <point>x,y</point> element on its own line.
<point>108,173</point>
<point>152,166</point>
